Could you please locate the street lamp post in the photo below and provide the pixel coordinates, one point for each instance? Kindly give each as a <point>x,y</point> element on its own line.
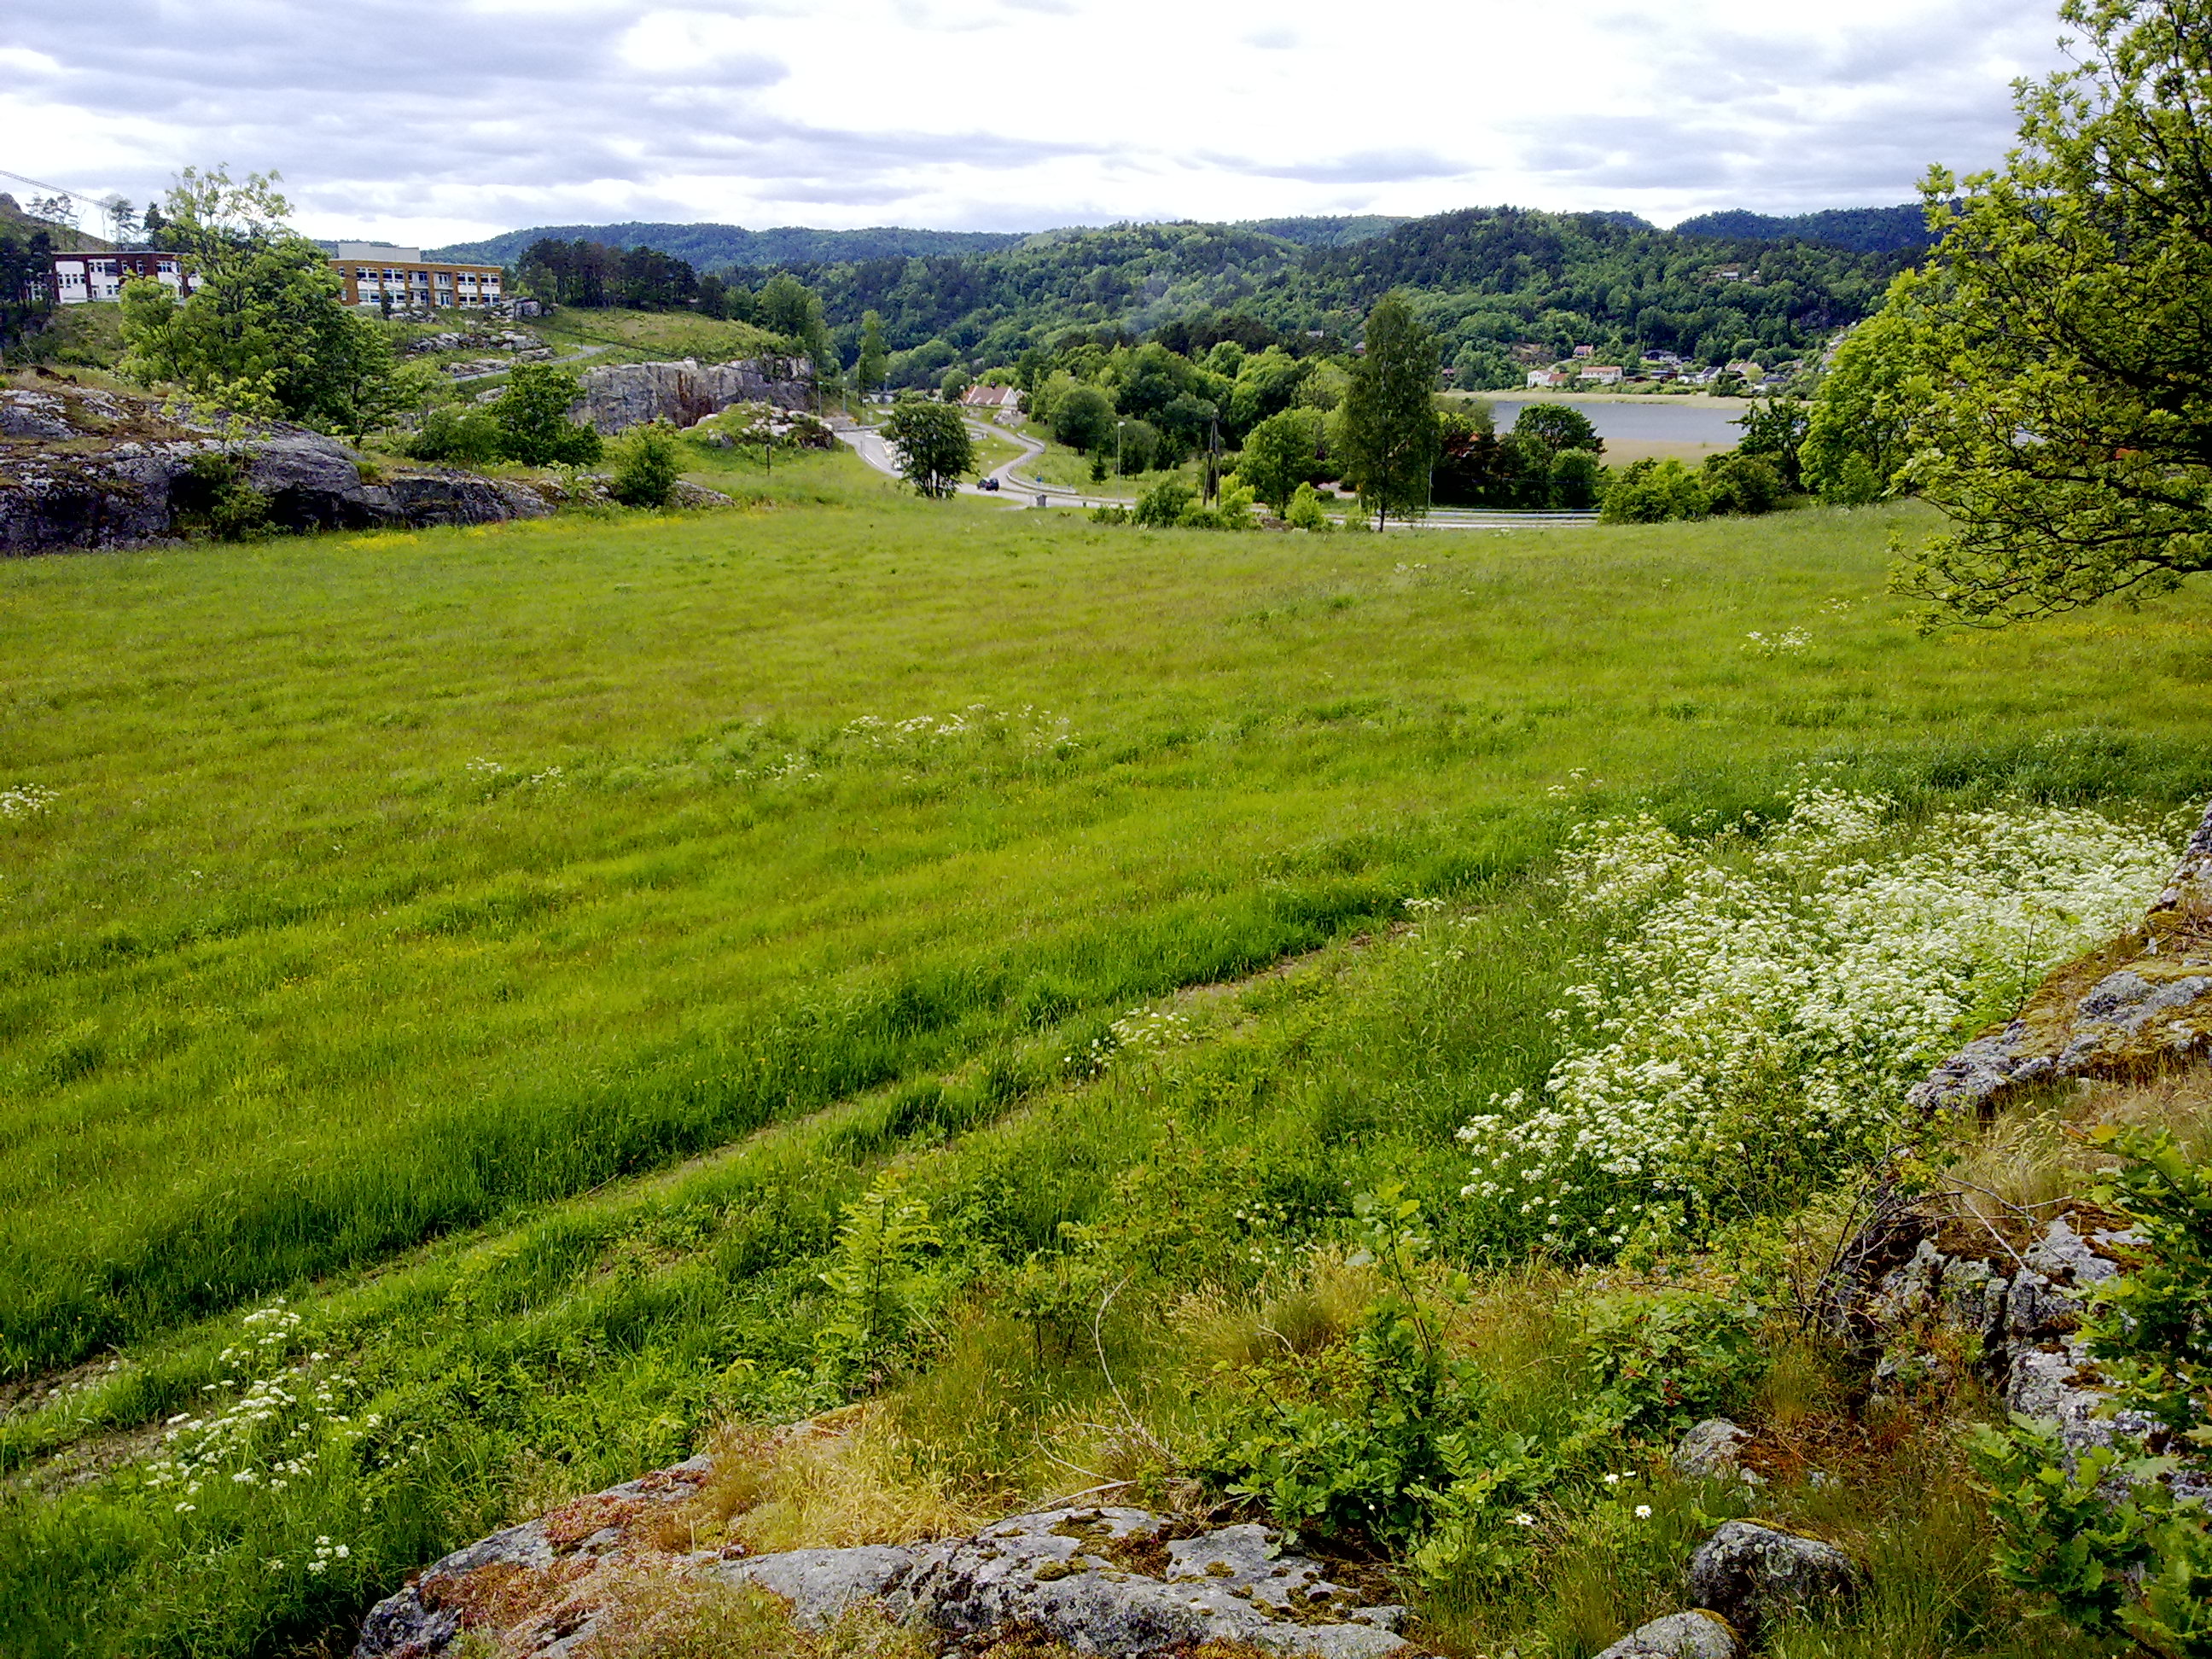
<point>1118,425</point>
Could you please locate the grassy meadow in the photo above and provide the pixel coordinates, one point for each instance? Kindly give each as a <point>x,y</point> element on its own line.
<point>517,947</point>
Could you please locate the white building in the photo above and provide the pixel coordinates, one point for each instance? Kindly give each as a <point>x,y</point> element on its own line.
<point>81,278</point>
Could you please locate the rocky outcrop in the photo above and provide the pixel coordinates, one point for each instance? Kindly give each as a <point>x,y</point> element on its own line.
<point>1697,1635</point>
<point>624,395</point>
<point>1101,1580</point>
<point>1747,1573</point>
<point>2141,1005</point>
<point>85,468</point>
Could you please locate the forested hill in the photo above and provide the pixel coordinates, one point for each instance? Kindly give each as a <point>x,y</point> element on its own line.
<point>1487,279</point>
<point>1869,230</point>
<point>713,246</point>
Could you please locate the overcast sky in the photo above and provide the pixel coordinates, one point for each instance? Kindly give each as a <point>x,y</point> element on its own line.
<point>433,120</point>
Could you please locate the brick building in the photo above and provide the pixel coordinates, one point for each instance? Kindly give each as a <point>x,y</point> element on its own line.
<point>375,272</point>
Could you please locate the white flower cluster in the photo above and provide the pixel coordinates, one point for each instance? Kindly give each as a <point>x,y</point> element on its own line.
<point>274,1432</point>
<point>1029,727</point>
<point>25,800</point>
<point>1790,643</point>
<point>1767,1000</point>
<point>1140,1032</point>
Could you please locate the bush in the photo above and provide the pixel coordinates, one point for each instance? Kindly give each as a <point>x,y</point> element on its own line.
<point>1751,1027</point>
<point>1654,492</point>
<point>1742,483</point>
<point>2101,1537</point>
<point>1083,418</point>
<point>1305,511</point>
<point>214,498</point>
<point>1578,479</point>
<point>1164,504</point>
<point>533,419</point>
<point>463,435</point>
<point>647,464</point>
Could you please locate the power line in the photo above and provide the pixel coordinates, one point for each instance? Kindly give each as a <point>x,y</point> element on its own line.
<point>56,190</point>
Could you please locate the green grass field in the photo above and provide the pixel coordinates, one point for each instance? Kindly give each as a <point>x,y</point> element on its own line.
<point>411,907</point>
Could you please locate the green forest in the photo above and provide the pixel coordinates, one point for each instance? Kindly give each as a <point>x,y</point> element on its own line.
<point>1486,281</point>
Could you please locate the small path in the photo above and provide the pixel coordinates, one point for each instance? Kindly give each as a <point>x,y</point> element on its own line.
<point>577,355</point>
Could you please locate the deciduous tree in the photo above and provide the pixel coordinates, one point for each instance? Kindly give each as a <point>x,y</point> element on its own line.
<point>934,446</point>
<point>2068,431</point>
<point>1389,420</point>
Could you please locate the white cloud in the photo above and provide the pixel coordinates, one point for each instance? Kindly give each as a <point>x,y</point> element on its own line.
<point>429,118</point>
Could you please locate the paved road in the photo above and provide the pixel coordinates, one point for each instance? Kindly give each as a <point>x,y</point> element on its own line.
<point>867,441</point>
<point>1015,490</point>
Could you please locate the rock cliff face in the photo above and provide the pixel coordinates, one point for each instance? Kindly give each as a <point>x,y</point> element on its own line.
<point>624,395</point>
<point>83,468</point>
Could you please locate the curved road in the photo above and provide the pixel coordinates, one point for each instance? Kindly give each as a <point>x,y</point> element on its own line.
<point>867,441</point>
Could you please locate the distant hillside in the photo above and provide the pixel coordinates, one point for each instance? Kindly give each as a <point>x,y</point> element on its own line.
<point>1867,230</point>
<point>713,246</point>
<point>1325,232</point>
<point>14,222</point>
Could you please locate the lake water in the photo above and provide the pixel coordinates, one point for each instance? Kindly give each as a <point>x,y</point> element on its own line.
<point>1656,421</point>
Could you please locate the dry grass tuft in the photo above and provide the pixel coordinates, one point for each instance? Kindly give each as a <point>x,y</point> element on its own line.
<point>835,1481</point>
<point>671,1616</point>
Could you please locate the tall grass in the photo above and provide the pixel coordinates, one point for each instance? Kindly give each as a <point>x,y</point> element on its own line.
<point>539,935</point>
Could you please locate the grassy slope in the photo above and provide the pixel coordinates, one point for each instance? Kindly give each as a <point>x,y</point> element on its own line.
<point>652,336</point>
<point>284,983</point>
<point>291,978</point>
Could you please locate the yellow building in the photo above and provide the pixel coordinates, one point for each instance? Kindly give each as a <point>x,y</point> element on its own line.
<point>376,272</point>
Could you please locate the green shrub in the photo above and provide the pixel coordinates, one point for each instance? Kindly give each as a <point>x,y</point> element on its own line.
<point>1305,511</point>
<point>464,434</point>
<point>1736,483</point>
<point>647,465</point>
<point>1164,504</point>
<point>2101,1537</point>
<point>214,498</point>
<point>533,419</point>
<point>1653,492</point>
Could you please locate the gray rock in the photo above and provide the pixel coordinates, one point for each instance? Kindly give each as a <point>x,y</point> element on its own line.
<point>41,415</point>
<point>2064,1255</point>
<point>1711,1451</point>
<point>418,1621</point>
<point>1971,1300</point>
<point>820,1583</point>
<point>2037,1310</point>
<point>1058,1572</point>
<point>1747,1572</point>
<point>1695,1635</point>
<point>622,395</point>
<point>117,484</point>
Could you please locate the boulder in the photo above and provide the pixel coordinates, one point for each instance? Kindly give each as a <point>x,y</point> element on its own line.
<point>1747,1572</point>
<point>1712,1451</point>
<point>1696,1635</point>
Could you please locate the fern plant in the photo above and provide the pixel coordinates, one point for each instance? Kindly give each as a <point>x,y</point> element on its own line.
<point>874,1310</point>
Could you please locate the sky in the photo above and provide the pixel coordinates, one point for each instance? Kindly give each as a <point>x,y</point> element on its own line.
<point>430,121</point>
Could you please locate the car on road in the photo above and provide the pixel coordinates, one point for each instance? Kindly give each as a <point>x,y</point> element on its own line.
<point>987,483</point>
